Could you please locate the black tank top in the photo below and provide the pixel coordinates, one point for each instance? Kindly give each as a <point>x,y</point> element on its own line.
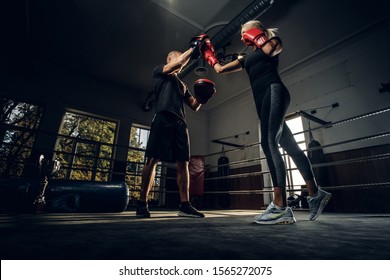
<point>262,69</point>
<point>169,93</point>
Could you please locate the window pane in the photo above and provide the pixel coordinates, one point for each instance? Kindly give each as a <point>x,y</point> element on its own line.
<point>297,178</point>
<point>81,147</point>
<point>296,126</point>
<point>136,159</point>
<point>89,128</point>
<point>139,137</point>
<point>20,120</point>
<point>294,176</point>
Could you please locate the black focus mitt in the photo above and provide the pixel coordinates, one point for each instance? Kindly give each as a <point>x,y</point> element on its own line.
<point>196,44</point>
<point>204,89</point>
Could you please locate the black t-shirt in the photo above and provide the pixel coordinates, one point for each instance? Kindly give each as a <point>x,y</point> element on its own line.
<point>169,93</point>
<point>261,68</point>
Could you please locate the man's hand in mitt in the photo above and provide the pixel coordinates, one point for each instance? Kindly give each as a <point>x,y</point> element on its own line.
<point>204,89</point>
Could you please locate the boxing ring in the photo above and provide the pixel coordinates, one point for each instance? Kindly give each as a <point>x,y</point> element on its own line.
<point>227,232</point>
<point>359,179</point>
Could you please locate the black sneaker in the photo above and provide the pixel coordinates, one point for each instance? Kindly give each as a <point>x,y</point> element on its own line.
<point>187,210</point>
<point>142,210</point>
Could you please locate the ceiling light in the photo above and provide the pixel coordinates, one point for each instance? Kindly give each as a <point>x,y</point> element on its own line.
<point>201,70</point>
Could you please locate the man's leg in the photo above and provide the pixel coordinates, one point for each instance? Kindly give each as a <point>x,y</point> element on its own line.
<point>148,174</point>
<point>183,182</point>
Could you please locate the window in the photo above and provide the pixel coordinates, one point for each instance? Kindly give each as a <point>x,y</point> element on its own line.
<point>294,177</point>
<point>135,163</point>
<point>85,147</point>
<point>19,122</point>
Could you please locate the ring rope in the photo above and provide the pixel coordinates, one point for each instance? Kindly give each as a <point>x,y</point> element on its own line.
<point>270,189</point>
<point>365,115</point>
<point>353,160</point>
<point>370,137</point>
<point>358,117</point>
<point>257,173</point>
<point>319,165</point>
<point>347,161</point>
<point>367,185</point>
<point>364,138</point>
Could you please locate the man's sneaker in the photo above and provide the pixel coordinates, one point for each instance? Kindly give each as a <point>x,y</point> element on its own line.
<point>273,216</point>
<point>39,200</point>
<point>187,210</point>
<point>317,203</point>
<point>142,210</point>
<point>39,204</point>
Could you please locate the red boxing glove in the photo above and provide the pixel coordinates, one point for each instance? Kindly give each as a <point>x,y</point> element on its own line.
<point>204,89</point>
<point>208,53</point>
<point>254,36</point>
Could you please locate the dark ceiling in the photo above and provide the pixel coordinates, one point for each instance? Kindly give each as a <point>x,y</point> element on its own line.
<point>121,41</point>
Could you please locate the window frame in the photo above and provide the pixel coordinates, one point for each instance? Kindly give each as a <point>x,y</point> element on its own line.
<point>71,167</point>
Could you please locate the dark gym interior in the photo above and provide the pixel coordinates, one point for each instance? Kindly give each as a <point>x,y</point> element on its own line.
<point>76,88</point>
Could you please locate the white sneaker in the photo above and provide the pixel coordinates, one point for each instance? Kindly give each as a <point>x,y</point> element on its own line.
<point>273,216</point>
<point>317,203</point>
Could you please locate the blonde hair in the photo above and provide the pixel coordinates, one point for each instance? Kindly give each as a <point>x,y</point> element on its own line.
<point>269,32</point>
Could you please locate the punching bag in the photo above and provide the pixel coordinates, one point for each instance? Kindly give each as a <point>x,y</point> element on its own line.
<point>317,154</point>
<point>196,170</point>
<point>63,196</point>
<point>223,183</point>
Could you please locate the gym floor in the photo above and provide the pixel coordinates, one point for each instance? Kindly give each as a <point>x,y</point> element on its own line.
<point>223,234</point>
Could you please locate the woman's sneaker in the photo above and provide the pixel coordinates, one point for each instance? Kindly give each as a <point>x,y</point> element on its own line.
<point>317,203</point>
<point>273,216</point>
<point>187,210</point>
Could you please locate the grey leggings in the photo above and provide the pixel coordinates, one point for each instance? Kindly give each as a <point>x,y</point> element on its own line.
<point>271,108</point>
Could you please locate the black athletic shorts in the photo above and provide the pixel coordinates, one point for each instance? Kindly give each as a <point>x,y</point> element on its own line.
<point>168,139</point>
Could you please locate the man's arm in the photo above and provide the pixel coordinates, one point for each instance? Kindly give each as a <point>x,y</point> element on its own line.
<point>192,102</point>
<point>178,63</point>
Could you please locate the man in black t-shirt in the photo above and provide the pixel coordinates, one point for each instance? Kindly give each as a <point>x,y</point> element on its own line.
<point>169,140</point>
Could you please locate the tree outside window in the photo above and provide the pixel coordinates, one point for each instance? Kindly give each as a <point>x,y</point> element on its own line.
<point>85,147</point>
<point>19,122</point>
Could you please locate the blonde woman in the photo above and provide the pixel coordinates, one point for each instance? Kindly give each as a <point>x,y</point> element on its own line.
<point>272,100</point>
